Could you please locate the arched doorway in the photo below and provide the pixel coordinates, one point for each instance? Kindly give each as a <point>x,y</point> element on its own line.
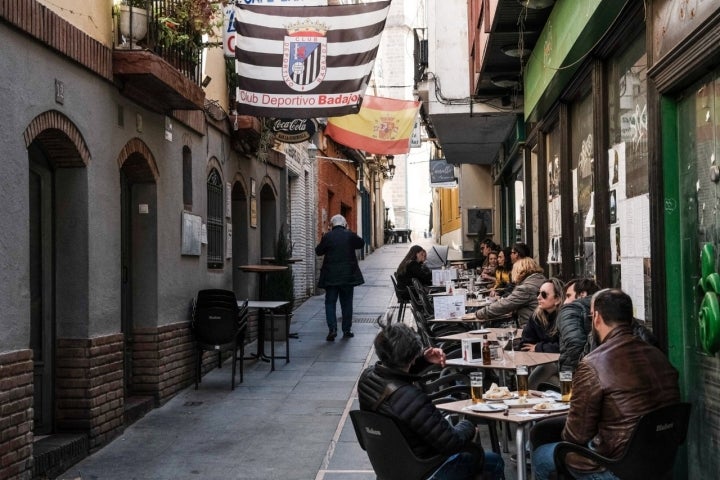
<point>57,188</point>
<point>240,227</point>
<point>268,221</point>
<point>138,230</point>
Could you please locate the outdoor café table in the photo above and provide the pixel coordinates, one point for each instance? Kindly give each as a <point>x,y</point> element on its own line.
<point>520,417</point>
<point>492,334</point>
<point>262,270</point>
<point>270,306</point>
<point>290,260</point>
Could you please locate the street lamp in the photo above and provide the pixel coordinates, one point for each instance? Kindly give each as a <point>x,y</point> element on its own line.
<point>391,166</point>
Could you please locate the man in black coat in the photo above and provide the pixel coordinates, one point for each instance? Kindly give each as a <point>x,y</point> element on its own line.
<point>339,274</point>
<point>389,388</point>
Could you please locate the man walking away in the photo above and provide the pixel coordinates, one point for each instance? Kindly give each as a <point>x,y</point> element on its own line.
<point>339,274</point>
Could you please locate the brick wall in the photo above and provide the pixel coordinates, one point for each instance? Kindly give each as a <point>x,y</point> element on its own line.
<point>163,360</point>
<point>16,400</point>
<point>89,387</point>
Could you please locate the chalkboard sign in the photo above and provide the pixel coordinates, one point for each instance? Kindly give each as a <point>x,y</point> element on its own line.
<point>441,171</point>
<point>479,221</point>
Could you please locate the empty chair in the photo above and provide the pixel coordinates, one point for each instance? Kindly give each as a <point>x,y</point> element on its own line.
<point>389,453</point>
<point>216,327</point>
<point>402,298</point>
<point>650,452</point>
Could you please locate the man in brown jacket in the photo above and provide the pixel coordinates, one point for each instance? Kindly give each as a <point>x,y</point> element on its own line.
<point>613,386</point>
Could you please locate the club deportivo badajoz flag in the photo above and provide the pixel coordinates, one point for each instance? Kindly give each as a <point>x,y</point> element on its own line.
<point>306,62</point>
<point>383,126</point>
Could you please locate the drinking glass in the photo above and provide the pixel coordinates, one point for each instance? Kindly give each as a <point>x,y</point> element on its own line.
<point>503,339</point>
<point>511,337</point>
<point>476,387</point>
<point>565,385</point>
<point>521,374</point>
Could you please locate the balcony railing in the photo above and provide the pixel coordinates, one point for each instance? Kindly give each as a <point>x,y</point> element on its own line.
<point>174,41</point>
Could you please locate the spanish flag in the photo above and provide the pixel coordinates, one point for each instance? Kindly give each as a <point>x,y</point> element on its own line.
<point>383,126</point>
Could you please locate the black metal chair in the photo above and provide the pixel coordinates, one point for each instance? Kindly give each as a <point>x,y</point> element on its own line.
<point>389,453</point>
<point>402,298</point>
<point>650,452</point>
<point>216,327</point>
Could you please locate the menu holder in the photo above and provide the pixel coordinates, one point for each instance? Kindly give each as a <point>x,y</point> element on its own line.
<point>439,276</point>
<point>449,306</point>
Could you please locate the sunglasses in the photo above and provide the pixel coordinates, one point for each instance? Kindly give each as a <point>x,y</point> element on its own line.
<point>542,294</point>
<point>513,252</point>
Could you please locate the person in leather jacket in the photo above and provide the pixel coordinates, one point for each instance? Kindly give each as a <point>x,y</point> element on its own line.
<point>389,388</point>
<point>623,379</point>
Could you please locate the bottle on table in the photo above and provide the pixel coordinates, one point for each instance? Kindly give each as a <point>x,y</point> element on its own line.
<point>486,354</point>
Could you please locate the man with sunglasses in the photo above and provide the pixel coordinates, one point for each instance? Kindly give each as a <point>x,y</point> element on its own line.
<point>616,384</point>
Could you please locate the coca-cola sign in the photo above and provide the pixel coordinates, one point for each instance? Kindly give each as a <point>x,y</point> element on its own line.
<point>294,130</point>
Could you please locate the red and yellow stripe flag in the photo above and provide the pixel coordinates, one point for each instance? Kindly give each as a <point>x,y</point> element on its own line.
<point>383,126</point>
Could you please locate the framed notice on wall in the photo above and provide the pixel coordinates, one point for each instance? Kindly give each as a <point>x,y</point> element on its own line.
<point>479,221</point>
<point>191,233</point>
<point>253,212</point>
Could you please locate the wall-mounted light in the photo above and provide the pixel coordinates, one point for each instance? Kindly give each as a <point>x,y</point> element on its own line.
<point>505,81</point>
<point>390,166</point>
<point>536,4</point>
<point>515,51</point>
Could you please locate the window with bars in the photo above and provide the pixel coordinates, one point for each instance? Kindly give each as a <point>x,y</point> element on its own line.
<point>215,220</point>
<point>187,177</point>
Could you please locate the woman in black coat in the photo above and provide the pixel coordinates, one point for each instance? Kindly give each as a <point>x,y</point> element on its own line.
<point>413,266</point>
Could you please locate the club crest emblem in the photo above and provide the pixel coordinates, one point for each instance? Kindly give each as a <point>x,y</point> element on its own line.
<point>304,55</point>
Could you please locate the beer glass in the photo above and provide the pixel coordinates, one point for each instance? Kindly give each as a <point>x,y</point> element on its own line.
<point>565,385</point>
<point>476,387</point>
<point>521,374</point>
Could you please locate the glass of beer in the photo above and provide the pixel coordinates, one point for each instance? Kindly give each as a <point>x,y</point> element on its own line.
<point>476,387</point>
<point>521,373</point>
<point>565,385</point>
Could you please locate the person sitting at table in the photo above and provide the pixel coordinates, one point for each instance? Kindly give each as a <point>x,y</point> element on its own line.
<point>523,299</point>
<point>518,251</point>
<point>573,321</point>
<point>541,333</point>
<point>488,273</point>
<point>390,388</point>
<point>413,266</point>
<point>615,385</point>
<point>502,272</point>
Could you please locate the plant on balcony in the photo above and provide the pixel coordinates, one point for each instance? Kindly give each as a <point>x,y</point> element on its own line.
<point>184,22</point>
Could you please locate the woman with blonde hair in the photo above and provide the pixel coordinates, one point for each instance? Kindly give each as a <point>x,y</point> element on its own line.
<point>528,276</point>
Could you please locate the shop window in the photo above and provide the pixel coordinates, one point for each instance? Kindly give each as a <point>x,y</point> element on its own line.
<point>554,216</point>
<point>627,182</point>
<point>581,174</point>
<point>215,203</point>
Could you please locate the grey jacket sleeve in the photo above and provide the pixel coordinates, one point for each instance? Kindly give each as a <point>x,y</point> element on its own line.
<point>524,294</point>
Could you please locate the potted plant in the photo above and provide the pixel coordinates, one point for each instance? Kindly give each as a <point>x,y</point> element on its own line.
<point>183,23</point>
<point>133,22</point>
<point>281,285</point>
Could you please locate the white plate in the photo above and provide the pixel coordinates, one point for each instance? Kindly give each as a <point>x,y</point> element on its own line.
<point>479,332</point>
<point>515,402</point>
<point>487,407</point>
<point>509,397</point>
<point>552,407</point>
